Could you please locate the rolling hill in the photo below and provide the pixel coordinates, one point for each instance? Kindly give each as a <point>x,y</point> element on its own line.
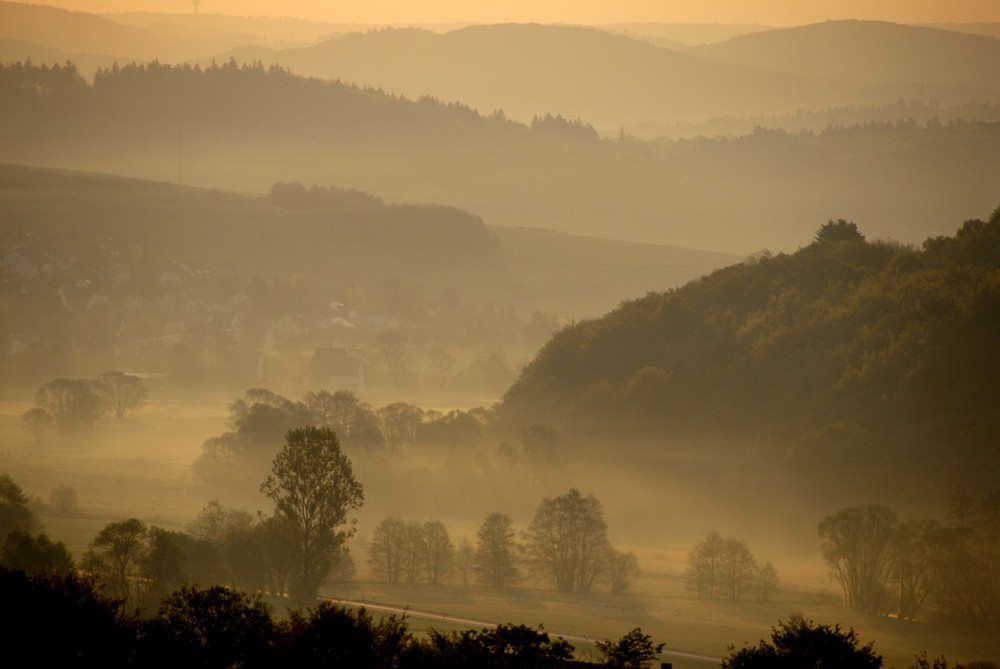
<point>846,360</point>
<point>80,33</point>
<point>342,236</point>
<point>530,70</point>
<point>949,65</point>
<point>246,127</point>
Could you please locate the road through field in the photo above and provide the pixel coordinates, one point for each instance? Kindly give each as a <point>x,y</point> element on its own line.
<point>428,615</point>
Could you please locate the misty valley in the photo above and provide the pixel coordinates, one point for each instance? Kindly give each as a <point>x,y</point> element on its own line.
<point>510,345</point>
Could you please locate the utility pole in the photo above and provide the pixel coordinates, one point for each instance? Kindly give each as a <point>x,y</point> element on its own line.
<point>180,155</point>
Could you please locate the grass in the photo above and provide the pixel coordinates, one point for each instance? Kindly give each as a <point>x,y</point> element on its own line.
<point>141,467</point>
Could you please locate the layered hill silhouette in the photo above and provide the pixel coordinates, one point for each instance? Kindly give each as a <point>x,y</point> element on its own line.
<point>618,76</point>
<point>79,33</point>
<point>845,356</point>
<point>247,127</point>
<point>946,64</point>
<point>338,236</point>
<point>532,70</point>
<point>610,80</point>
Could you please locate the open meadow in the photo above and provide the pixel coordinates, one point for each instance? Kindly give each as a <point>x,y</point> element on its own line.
<point>141,467</point>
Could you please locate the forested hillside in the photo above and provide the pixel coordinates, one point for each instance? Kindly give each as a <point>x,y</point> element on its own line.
<point>847,353</point>
<point>245,127</point>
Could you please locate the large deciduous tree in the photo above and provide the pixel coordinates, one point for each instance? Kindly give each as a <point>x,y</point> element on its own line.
<point>313,487</point>
<point>858,544</point>
<point>568,540</point>
<point>121,392</point>
<point>73,403</point>
<point>115,558</point>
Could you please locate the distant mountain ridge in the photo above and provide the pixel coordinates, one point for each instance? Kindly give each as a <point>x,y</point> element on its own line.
<point>872,52</point>
<point>79,32</point>
<point>609,77</point>
<point>531,69</point>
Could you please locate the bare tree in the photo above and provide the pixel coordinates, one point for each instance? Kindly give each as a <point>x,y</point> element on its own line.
<point>913,566</point>
<point>622,569</point>
<point>439,553</point>
<point>413,551</point>
<point>385,555</point>
<point>767,581</point>
<point>465,559</point>
<point>705,566</point>
<point>858,546</point>
<point>321,404</point>
<point>738,567</point>
<point>63,498</point>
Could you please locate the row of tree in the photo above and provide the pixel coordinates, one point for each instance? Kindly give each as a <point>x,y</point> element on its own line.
<point>73,404</point>
<point>726,568</point>
<point>290,551</point>
<point>919,568</point>
<point>566,543</point>
<point>222,626</point>
<point>260,419</point>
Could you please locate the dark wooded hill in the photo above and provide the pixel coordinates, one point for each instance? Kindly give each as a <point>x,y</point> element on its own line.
<point>845,355</point>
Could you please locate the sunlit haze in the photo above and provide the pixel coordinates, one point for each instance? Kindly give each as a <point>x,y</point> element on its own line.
<point>765,12</point>
<point>336,328</point>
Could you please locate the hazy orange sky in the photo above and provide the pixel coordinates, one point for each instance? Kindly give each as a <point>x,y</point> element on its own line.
<point>766,12</point>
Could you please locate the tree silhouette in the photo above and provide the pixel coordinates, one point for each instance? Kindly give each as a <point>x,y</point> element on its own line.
<point>798,644</point>
<point>495,558</point>
<point>313,487</point>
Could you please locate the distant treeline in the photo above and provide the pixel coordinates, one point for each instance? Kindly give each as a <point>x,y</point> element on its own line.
<point>862,354</point>
<point>296,228</point>
<point>246,126</point>
<point>235,101</point>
